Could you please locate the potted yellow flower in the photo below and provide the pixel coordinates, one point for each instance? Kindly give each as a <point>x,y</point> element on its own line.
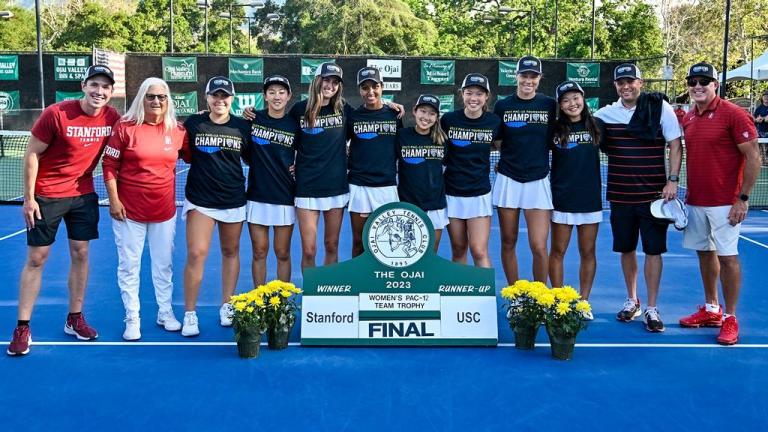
<point>249,321</point>
<point>280,298</point>
<point>527,302</point>
<point>565,319</point>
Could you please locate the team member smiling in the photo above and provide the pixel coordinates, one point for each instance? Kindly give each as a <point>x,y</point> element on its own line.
<point>372,154</point>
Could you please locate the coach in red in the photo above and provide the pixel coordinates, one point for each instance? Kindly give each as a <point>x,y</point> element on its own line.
<point>65,146</point>
<point>723,164</point>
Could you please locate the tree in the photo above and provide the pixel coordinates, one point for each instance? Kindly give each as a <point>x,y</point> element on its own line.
<point>92,25</point>
<point>17,33</point>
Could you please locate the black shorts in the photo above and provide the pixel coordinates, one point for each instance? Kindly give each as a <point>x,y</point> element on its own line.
<point>630,220</point>
<point>80,214</point>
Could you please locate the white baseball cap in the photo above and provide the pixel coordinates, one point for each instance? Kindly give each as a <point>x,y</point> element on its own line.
<point>673,210</point>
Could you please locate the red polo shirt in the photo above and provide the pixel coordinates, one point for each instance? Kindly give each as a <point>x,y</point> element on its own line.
<point>715,166</point>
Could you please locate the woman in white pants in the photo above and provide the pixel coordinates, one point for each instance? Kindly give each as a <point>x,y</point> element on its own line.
<point>139,173</point>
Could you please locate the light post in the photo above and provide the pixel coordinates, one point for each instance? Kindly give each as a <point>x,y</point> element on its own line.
<point>203,4</point>
<point>40,53</point>
<point>530,12</point>
<point>6,14</point>
<point>171,13</point>
<point>725,45</point>
<point>254,5</point>
<point>592,49</point>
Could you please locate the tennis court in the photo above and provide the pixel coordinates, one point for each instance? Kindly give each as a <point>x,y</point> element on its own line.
<point>621,375</point>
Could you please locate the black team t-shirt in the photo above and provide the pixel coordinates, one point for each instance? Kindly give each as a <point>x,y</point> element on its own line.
<point>270,153</point>
<point>420,170</point>
<point>372,149</point>
<point>526,133</point>
<point>575,178</point>
<point>216,178</point>
<point>468,153</point>
<point>321,152</point>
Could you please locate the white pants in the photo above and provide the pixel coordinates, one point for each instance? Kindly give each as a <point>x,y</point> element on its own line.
<point>129,238</point>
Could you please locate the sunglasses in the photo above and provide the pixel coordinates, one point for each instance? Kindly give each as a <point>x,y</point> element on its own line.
<point>150,97</point>
<point>702,81</point>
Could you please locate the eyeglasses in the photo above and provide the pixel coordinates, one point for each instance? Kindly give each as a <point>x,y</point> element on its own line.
<point>702,81</point>
<point>150,97</point>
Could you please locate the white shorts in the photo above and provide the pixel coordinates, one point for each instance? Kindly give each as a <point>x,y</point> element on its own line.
<point>439,218</point>
<point>322,204</point>
<point>233,215</point>
<point>469,207</point>
<point>709,230</point>
<point>567,218</point>
<point>508,193</point>
<point>270,214</point>
<point>366,199</point>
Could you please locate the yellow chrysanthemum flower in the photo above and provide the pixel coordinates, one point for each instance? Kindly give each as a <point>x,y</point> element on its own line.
<point>583,306</point>
<point>274,301</point>
<point>239,306</point>
<point>562,308</point>
<point>546,299</point>
<point>286,293</point>
<point>250,309</point>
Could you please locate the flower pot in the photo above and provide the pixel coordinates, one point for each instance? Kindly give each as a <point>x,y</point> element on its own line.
<point>248,344</point>
<point>525,336</point>
<point>277,339</point>
<point>561,344</point>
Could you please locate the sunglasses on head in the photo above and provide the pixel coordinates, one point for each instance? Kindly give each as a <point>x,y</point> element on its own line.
<point>703,81</point>
<point>150,97</point>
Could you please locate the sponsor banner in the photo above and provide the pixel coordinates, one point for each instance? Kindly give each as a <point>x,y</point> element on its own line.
<point>180,69</point>
<point>9,67</point>
<point>399,302</point>
<point>185,103</point>
<point>63,95</point>
<point>438,72</point>
<point>243,100</point>
<point>593,103</point>
<point>387,98</point>
<point>308,68</point>
<point>446,103</point>
<point>9,101</point>
<point>586,74</point>
<point>507,73</point>
<point>246,69</point>
<point>388,68</point>
<point>392,86</point>
<point>70,68</point>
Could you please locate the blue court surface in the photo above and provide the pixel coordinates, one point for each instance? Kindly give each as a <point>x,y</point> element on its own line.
<point>621,377</point>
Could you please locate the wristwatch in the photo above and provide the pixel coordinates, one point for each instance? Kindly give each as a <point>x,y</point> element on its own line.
<point>744,197</point>
<point>673,178</point>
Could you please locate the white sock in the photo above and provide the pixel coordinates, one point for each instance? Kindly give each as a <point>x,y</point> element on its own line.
<point>653,308</point>
<point>713,308</point>
<point>728,315</point>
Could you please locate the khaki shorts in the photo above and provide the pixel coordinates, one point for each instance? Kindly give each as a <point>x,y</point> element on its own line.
<point>709,230</point>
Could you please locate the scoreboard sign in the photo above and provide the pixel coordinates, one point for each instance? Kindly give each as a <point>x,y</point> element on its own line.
<point>399,292</point>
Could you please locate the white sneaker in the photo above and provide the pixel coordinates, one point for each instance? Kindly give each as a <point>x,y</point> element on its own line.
<point>225,315</point>
<point>132,328</point>
<point>168,321</point>
<point>587,316</point>
<point>190,324</point>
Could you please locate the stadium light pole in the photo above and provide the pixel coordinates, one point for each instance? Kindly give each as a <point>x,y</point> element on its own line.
<point>254,5</point>
<point>725,45</point>
<point>203,4</point>
<point>40,53</point>
<point>557,8</point>
<point>6,14</point>
<point>171,14</point>
<point>592,49</point>
<point>506,9</point>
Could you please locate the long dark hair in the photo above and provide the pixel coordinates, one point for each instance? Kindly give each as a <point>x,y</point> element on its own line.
<point>563,126</point>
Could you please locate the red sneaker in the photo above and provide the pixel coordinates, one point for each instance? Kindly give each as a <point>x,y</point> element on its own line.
<point>19,345</point>
<point>76,326</point>
<point>702,318</point>
<point>729,333</point>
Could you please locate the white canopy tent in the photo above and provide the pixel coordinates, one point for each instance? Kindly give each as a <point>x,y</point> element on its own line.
<point>758,72</point>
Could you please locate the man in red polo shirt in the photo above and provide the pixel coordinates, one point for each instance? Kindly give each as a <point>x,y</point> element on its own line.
<point>65,146</point>
<point>723,165</point>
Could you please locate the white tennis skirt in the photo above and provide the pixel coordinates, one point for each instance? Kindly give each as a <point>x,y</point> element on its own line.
<point>439,218</point>
<point>469,207</point>
<point>233,215</point>
<point>270,214</point>
<point>508,193</point>
<point>366,199</point>
<point>567,218</point>
<point>322,204</point>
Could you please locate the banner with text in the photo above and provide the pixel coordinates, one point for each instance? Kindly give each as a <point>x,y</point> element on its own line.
<point>63,95</point>
<point>438,72</point>
<point>9,67</point>
<point>446,103</point>
<point>308,68</point>
<point>242,100</point>
<point>586,74</point>
<point>593,104</point>
<point>70,68</point>
<point>246,69</point>
<point>9,101</point>
<point>180,69</point>
<point>507,73</point>
<point>185,103</point>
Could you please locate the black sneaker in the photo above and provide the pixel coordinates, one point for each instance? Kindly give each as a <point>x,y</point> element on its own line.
<point>629,311</point>
<point>652,321</point>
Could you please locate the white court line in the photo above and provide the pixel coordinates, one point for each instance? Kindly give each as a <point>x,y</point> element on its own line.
<point>743,237</point>
<point>504,345</point>
<point>13,234</point>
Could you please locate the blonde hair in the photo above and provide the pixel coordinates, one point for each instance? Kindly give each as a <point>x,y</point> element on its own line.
<point>136,111</point>
<point>315,101</point>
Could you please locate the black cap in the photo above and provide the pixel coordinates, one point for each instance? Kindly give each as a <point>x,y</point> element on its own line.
<point>703,70</point>
<point>626,70</point>
<point>220,83</point>
<point>476,79</point>
<point>428,99</point>
<point>765,92</point>
<point>99,70</point>
<point>368,74</point>
<point>329,69</point>
<point>279,80</point>
<point>529,64</point>
<point>567,86</point>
